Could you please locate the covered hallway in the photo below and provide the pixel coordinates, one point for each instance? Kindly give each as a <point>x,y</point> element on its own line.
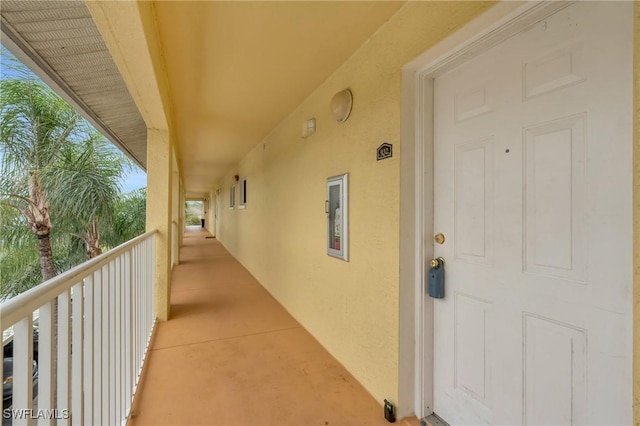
<point>531,198</point>
<point>230,354</point>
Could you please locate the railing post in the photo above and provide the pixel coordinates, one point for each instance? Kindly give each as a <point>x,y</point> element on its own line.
<point>23,369</point>
<point>135,267</point>
<point>105,363</point>
<point>113,274</point>
<point>117,338</point>
<point>64,334</point>
<point>128,307</point>
<point>77,369</point>
<point>96,415</point>
<point>46,361</point>
<point>89,318</point>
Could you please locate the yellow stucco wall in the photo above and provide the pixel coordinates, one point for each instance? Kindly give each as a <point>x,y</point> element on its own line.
<point>350,307</point>
<point>636,216</point>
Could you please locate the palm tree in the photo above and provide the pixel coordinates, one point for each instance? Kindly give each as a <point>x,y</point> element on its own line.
<point>19,260</point>
<point>88,189</point>
<point>36,126</point>
<point>130,217</point>
<point>19,257</point>
<point>54,169</point>
<point>19,263</point>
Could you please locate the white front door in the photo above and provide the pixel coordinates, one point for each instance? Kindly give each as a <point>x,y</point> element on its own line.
<point>533,192</point>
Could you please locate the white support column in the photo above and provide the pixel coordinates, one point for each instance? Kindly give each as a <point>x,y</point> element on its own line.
<point>159,176</point>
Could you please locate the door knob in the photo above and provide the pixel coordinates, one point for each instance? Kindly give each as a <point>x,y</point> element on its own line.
<point>435,263</point>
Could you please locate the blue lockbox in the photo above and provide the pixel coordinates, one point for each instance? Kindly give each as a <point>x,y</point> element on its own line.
<point>436,279</point>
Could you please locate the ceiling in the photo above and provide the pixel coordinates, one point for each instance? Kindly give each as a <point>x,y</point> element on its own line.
<point>59,41</point>
<point>234,69</point>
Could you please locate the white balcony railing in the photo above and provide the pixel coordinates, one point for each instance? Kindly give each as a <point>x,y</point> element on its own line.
<point>89,363</point>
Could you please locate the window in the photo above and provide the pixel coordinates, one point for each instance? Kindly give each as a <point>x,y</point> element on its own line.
<point>242,203</point>
<point>232,196</point>
<point>336,210</point>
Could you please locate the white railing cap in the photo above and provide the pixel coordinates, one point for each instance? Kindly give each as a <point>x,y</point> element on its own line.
<point>14,309</point>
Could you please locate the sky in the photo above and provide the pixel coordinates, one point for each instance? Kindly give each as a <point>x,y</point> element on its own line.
<point>135,179</point>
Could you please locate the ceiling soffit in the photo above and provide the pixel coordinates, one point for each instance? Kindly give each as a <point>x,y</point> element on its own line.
<point>60,42</point>
<point>237,69</point>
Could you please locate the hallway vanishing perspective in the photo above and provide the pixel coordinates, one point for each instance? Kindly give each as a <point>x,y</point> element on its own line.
<point>231,355</point>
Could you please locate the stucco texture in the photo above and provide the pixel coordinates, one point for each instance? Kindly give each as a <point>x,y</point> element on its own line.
<point>636,216</point>
<point>159,175</point>
<point>351,307</point>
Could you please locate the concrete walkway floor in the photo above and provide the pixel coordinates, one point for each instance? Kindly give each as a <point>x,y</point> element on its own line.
<point>231,355</point>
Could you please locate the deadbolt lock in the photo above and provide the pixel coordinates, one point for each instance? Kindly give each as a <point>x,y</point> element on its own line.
<point>437,262</point>
<point>439,238</point>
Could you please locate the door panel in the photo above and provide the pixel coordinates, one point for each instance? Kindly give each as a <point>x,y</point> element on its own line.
<point>470,345</point>
<point>533,182</point>
<point>555,164</point>
<point>473,203</point>
<point>555,357</point>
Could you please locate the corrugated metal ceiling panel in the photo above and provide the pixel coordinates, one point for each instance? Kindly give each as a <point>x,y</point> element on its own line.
<point>62,36</point>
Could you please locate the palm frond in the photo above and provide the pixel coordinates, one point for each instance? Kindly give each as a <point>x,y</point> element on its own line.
<point>78,174</point>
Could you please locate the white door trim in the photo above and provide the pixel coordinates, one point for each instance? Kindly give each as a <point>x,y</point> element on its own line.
<point>416,190</point>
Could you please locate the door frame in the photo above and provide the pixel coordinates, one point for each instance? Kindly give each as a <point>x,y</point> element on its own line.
<point>416,346</point>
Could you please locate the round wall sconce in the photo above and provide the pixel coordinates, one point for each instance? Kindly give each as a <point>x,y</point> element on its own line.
<point>341,104</point>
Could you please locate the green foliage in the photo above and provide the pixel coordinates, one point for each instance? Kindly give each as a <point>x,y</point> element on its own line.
<point>87,179</point>
<point>19,259</point>
<point>77,175</point>
<point>35,125</point>
<point>193,210</point>
<point>192,220</point>
<point>130,217</point>
<point>193,207</point>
